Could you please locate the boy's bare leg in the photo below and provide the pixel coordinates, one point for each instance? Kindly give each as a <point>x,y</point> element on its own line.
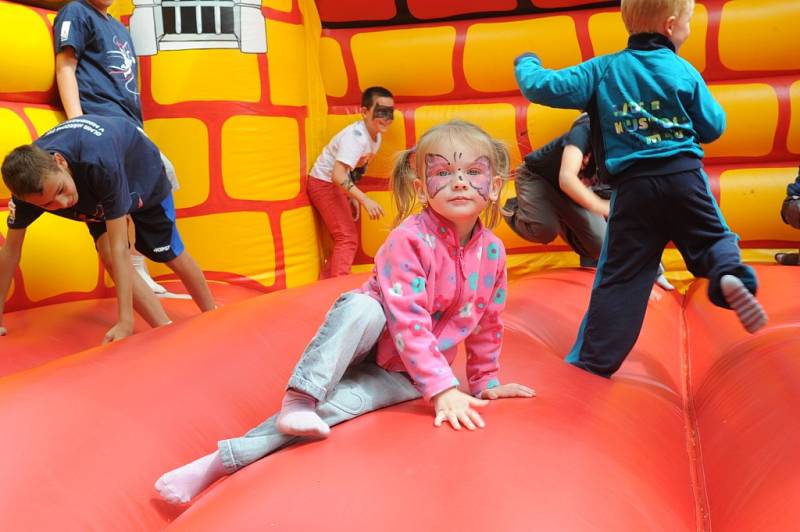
<point>139,265</point>
<point>145,301</point>
<point>182,484</point>
<point>193,279</point>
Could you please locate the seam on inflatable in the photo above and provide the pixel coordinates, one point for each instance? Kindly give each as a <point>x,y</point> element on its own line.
<point>693,448</point>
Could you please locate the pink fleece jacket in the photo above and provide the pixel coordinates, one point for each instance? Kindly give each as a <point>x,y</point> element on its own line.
<point>437,293</point>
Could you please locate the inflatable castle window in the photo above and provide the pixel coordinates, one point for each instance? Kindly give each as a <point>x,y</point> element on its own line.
<point>186,24</point>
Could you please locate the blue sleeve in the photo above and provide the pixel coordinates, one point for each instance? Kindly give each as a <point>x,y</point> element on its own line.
<point>70,29</point>
<point>22,214</point>
<point>708,116</point>
<point>568,88</point>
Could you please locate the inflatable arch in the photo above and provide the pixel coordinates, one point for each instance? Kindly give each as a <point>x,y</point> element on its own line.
<point>697,431</point>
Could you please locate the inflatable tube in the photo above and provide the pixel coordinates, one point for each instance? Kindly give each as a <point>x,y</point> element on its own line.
<point>661,446</point>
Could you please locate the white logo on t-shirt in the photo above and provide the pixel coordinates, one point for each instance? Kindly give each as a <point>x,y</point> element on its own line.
<point>12,211</point>
<point>65,30</point>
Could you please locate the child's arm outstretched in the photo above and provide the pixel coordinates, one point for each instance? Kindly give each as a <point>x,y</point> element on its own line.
<point>9,260</point>
<point>568,88</point>
<point>483,346</point>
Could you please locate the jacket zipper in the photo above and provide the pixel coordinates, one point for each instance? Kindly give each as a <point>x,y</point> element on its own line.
<point>459,290</point>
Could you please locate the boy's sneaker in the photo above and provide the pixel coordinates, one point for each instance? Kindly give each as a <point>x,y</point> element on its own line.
<point>747,308</point>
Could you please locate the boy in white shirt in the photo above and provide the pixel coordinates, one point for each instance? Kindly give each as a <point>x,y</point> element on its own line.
<point>332,181</point>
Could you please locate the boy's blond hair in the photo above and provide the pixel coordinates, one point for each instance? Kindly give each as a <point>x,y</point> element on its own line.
<point>411,163</point>
<point>648,16</point>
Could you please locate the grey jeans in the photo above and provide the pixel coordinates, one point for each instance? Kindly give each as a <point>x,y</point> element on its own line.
<point>338,369</point>
<point>542,213</point>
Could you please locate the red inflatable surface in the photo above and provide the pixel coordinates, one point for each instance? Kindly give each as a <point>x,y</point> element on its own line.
<point>698,430</point>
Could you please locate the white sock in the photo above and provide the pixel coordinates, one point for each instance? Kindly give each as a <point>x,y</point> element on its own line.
<point>182,484</point>
<point>141,268</point>
<point>298,416</point>
<point>747,307</point>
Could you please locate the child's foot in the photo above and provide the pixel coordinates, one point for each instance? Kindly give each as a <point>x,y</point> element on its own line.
<point>747,307</point>
<point>788,259</point>
<point>298,416</point>
<point>182,484</point>
<point>141,268</point>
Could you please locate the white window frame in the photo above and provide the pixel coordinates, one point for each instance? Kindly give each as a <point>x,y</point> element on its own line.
<point>147,27</point>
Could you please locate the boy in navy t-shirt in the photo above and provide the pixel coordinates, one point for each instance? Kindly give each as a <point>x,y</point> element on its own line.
<point>95,62</point>
<point>98,170</point>
<point>96,74</point>
<point>649,112</point>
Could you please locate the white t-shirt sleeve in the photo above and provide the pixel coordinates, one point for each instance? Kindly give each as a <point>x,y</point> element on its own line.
<point>351,148</point>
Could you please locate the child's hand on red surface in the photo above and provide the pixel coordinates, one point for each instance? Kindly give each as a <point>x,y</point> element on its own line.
<point>504,391</point>
<point>456,407</point>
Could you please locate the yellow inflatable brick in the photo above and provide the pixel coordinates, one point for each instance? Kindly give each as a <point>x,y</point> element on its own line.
<point>751,199</point>
<point>498,119</point>
<point>546,123</point>
<point>373,232</point>
<point>332,67</point>
<point>492,45</point>
<point>44,118</point>
<point>793,138</point>
<point>286,60</point>
<point>300,248</point>
<point>759,35</point>
<point>121,8</point>
<point>752,113</point>
<point>13,132</point>
<point>27,63</point>
<point>278,5</point>
<point>236,242</point>
<point>205,75</point>
<point>259,157</point>
<point>73,249</point>
<point>185,142</point>
<point>608,35</point>
<point>410,62</point>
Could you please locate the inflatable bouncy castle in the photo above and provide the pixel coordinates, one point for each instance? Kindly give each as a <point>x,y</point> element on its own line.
<point>697,431</point>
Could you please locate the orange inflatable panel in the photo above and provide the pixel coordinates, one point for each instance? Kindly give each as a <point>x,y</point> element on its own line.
<point>697,430</point>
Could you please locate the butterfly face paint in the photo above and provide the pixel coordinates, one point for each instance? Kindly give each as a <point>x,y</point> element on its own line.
<point>439,171</point>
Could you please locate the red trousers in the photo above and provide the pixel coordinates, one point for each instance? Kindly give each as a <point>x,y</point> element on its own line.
<point>333,206</point>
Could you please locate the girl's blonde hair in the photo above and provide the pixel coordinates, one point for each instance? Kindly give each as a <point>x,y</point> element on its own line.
<point>647,16</point>
<point>411,163</point>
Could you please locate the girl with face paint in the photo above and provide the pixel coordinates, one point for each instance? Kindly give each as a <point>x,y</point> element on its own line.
<point>440,275</point>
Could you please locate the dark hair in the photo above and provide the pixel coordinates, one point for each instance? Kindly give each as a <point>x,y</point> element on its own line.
<point>25,168</point>
<point>371,94</point>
